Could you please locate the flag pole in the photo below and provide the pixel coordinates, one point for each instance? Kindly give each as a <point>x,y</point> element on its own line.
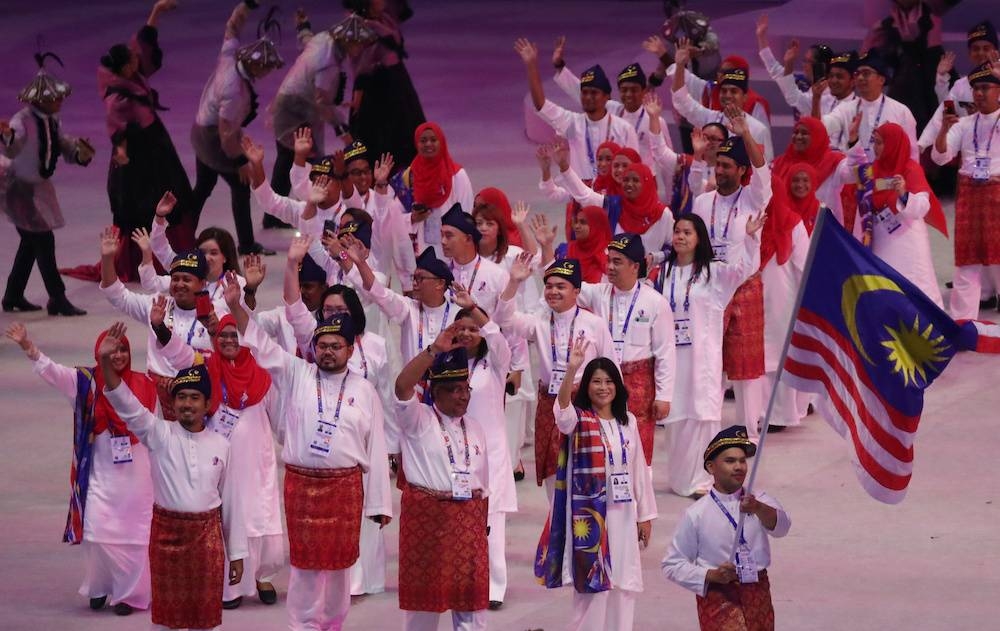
<point>820,221</point>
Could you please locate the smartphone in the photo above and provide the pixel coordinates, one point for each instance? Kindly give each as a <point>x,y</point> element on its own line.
<point>949,108</point>
<point>331,226</point>
<point>820,68</point>
<point>885,183</point>
<point>419,208</point>
<point>203,305</point>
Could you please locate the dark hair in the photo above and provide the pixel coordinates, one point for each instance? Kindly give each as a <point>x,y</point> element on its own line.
<point>720,126</point>
<point>359,215</point>
<point>703,253</point>
<point>226,244</point>
<point>483,346</point>
<point>117,58</point>
<point>354,306</point>
<point>619,406</point>
<point>492,213</point>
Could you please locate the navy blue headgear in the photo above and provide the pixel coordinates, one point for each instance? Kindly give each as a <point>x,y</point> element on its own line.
<point>594,77</point>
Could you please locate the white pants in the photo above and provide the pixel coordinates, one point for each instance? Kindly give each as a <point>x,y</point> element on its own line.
<point>515,413</point>
<point>318,600</point>
<point>750,404</point>
<point>967,289</point>
<point>267,556</point>
<point>118,571</point>
<point>786,411</point>
<point>368,572</point>
<point>604,611</point>
<point>496,541</point>
<point>460,620</point>
<point>686,443</point>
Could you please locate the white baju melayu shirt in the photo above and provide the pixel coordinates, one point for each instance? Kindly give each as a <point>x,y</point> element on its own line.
<point>699,116</point>
<point>160,283</point>
<point>873,114</point>
<point>975,135</point>
<point>419,324</point>
<point>585,135</point>
<point>726,216</point>
<point>290,210</point>
<point>781,286</point>
<point>391,243</point>
<point>704,539</point>
<point>484,279</point>
<point>960,93</point>
<point>428,232</point>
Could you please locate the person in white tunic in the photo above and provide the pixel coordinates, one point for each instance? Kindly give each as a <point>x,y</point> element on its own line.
<point>699,558</point>
<point>584,130</point>
<point>244,410</point>
<point>601,515</point>
<point>698,289</point>
<point>110,509</point>
<point>333,431</point>
<point>460,243</point>
<point>198,520</point>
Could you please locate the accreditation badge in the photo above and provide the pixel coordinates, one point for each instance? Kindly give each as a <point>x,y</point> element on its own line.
<point>621,490</point>
<point>121,449</point>
<point>461,485</point>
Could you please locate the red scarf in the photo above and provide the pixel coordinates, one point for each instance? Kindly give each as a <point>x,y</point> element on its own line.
<point>592,251</point>
<point>242,376</point>
<point>711,100</point>
<point>141,386</point>
<point>807,207</point>
<point>496,198</point>
<point>431,178</point>
<point>605,184</point>
<point>641,213</point>
<point>776,235</point>
<point>895,160</point>
<point>818,154</point>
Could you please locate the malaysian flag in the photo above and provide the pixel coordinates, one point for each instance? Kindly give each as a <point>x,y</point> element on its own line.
<point>869,343</point>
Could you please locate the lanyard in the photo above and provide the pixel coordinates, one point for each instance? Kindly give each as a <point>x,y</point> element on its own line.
<point>687,291</point>
<point>475,272</point>
<point>607,444</point>
<point>194,323</point>
<point>975,135</point>
<point>420,329</point>
<point>878,117</point>
<point>728,515</point>
<point>590,147</point>
<point>729,217</point>
<point>638,121</point>
<point>364,360</point>
<point>447,442</point>
<point>243,399</point>
<point>628,316</point>
<point>569,340</point>
<point>319,398</point>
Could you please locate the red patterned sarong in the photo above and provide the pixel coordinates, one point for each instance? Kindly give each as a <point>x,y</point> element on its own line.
<point>743,339</point>
<point>737,607</point>
<point>186,567</point>
<point>163,393</point>
<point>638,377</point>
<point>977,222</point>
<point>323,511</point>
<point>849,202</point>
<point>443,558</point>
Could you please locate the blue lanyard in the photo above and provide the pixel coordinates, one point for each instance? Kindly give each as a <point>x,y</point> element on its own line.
<point>638,121</point>
<point>607,444</point>
<point>975,135</point>
<point>687,291</point>
<point>319,398</point>
<point>243,399</point>
<point>475,272</point>
<point>420,327</point>
<point>364,361</point>
<point>878,117</point>
<point>447,442</point>
<point>569,340</point>
<point>729,516</point>
<point>590,147</point>
<point>628,316</point>
<point>729,217</point>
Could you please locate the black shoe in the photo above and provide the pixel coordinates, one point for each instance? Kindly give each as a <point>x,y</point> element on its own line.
<point>267,594</point>
<point>123,609</point>
<point>19,305</point>
<point>697,495</point>
<point>729,395</point>
<point>62,306</point>
<point>989,303</point>
<point>98,603</point>
<point>232,604</point>
<point>270,221</point>
<point>256,248</point>
<point>495,604</point>
<point>775,429</point>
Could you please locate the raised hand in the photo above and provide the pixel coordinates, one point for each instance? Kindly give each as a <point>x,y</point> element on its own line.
<point>18,333</point>
<point>520,269</point>
<point>854,127</point>
<point>561,152</point>
<point>578,353</point>
<point>527,51</point>
<point>557,52</point>
<point>698,143</point>
<point>251,150</point>
<point>652,104</point>
<point>819,87</point>
<point>302,142</point>
<point>737,119</point>
<point>519,213</point>
<point>158,311</point>
<point>111,341</point>
<point>654,44</point>
<point>339,166</point>
<point>761,30</point>
<point>299,247</point>
<point>231,290</point>
<point>165,5</point>
<point>791,54</point>
<point>683,54</point>
<point>947,62</point>
<point>899,184</point>
<point>461,296</point>
<point>354,249</point>
<point>84,151</point>
<point>383,168</point>
<point>317,192</point>
<point>756,223</point>
<point>166,204</point>
<point>544,233</point>
<point>109,241</point>
<point>140,236</point>
<point>331,243</point>
<point>254,270</point>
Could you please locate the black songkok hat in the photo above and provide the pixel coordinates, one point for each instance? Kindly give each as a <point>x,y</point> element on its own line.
<point>321,166</point>
<point>594,77</point>
<point>737,77</point>
<point>450,366</point>
<point>875,61</point>
<point>339,324</point>
<point>429,262</point>
<point>632,73</point>
<point>566,269</point>
<point>361,231</point>
<point>983,32</point>
<point>848,60</point>
<point>630,245</point>
<point>310,272</point>
<point>983,74</point>
<point>357,151</point>
<point>193,378</point>
<point>192,262</point>
<point>734,149</point>
<point>461,220</point>
<point>735,436</point>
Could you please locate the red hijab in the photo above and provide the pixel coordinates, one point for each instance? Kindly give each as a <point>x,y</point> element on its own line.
<point>641,213</point>
<point>242,376</point>
<point>592,251</point>
<point>818,153</point>
<point>496,198</point>
<point>776,235</point>
<point>141,386</point>
<point>895,160</point>
<point>431,178</point>
<point>808,207</point>
<point>712,100</point>
<point>605,184</point>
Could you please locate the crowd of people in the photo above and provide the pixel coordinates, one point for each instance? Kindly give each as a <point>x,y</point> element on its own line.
<point>426,329</point>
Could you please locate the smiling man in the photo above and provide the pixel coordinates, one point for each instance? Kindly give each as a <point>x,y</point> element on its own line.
<point>698,559</point>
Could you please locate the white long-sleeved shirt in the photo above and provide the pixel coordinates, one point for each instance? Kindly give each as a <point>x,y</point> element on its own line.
<point>290,210</point>
<point>699,88</point>
<point>961,92</point>
<point>873,114</point>
<point>982,130</point>
<point>160,283</point>
<point>650,327</point>
<point>699,116</point>
<point>704,539</point>
<point>576,128</point>
<point>391,243</point>
<point>419,325</point>
<point>484,279</point>
<point>726,216</point>
<point>428,232</point>
<point>190,469</point>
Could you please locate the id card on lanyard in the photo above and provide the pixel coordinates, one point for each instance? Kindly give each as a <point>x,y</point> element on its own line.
<point>869,151</point>
<point>746,565</point>
<point>619,340</point>
<point>981,164</point>
<point>682,326</point>
<point>559,374</point>
<point>121,446</point>
<point>420,325</point>
<point>618,481</point>
<point>323,437</point>
<point>226,419</point>
<point>461,481</point>
<point>720,247</point>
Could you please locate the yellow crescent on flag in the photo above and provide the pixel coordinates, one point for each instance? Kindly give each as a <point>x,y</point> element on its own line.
<point>854,287</point>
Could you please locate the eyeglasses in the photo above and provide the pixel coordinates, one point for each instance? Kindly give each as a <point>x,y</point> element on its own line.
<point>419,278</point>
<point>336,348</point>
<point>331,311</point>
<point>458,388</point>
<point>864,73</point>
